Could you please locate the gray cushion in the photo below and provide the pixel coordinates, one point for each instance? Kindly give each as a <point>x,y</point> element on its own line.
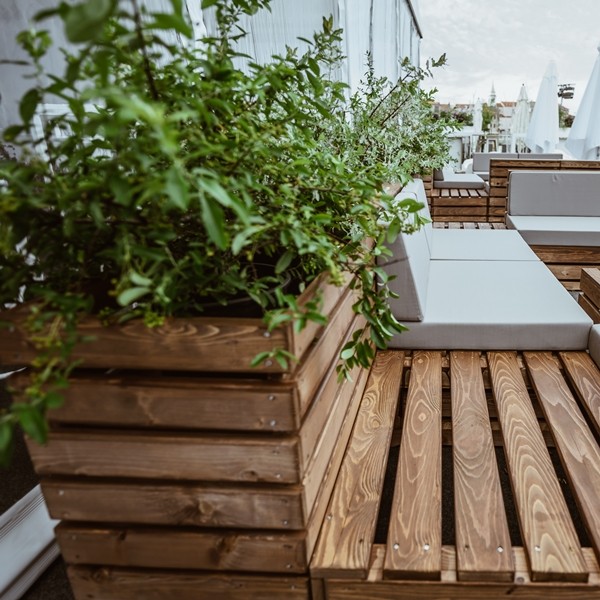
<point>554,193</point>
<point>594,344</point>
<point>479,244</point>
<point>501,305</point>
<point>485,175</point>
<point>557,231</point>
<point>410,261</point>
<point>481,160</point>
<point>456,180</point>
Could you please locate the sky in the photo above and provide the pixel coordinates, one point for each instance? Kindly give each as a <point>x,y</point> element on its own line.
<point>507,43</point>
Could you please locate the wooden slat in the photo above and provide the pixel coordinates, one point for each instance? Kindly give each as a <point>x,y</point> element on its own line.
<point>182,344</point>
<point>377,588</point>
<point>546,528</point>
<point>414,537</point>
<point>568,254</point>
<point>130,584</point>
<point>575,442</point>
<point>585,377</point>
<point>349,528</point>
<point>167,548</point>
<point>175,504</point>
<point>568,272</point>
<point>591,309</point>
<point>590,285</point>
<point>483,545</point>
<point>209,457</point>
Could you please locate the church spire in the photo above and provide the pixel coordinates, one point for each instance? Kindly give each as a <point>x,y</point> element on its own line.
<point>493,96</point>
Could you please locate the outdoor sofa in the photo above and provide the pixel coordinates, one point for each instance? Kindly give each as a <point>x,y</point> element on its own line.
<point>481,160</point>
<point>478,290</point>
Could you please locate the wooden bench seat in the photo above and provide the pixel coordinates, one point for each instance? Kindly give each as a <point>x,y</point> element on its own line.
<point>481,508</point>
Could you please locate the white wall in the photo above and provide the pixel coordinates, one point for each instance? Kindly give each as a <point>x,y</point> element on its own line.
<point>389,29</point>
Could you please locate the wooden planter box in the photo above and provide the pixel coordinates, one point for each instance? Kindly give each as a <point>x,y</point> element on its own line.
<point>171,454</point>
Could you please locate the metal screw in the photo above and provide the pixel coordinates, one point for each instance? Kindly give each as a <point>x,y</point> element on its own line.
<point>267,334</point>
<point>271,398</point>
<point>538,549</point>
<point>268,363</point>
<point>426,547</point>
<point>61,492</point>
<point>285,521</point>
<point>396,546</point>
<point>288,566</point>
<point>329,517</point>
<point>500,549</point>
<point>273,423</point>
<point>277,475</point>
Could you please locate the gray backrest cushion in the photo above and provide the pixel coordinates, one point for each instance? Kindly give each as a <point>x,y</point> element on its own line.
<point>554,193</point>
<point>481,160</point>
<point>409,263</point>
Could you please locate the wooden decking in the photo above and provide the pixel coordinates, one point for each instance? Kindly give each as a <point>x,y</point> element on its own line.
<point>495,466</point>
<point>461,205</point>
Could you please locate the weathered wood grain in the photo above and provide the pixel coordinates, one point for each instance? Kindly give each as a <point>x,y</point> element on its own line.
<point>449,588</point>
<point>175,504</point>
<point>99,583</point>
<point>208,457</point>
<point>482,538</point>
<point>590,284</point>
<point>166,548</point>
<point>349,528</point>
<point>575,442</point>
<point>414,535</point>
<point>585,377</point>
<point>548,534</point>
<point>591,310</point>
<point>184,344</point>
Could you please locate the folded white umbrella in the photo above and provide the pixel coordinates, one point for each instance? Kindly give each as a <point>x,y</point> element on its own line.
<point>583,141</point>
<point>520,119</point>
<point>542,133</point>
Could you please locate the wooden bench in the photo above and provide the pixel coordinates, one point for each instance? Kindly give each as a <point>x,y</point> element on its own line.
<point>470,444</point>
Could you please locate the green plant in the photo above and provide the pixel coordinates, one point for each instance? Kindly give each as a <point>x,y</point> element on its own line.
<point>180,171</point>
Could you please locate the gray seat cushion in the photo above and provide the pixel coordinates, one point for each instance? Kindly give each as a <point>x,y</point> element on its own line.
<point>459,180</point>
<point>481,160</point>
<point>500,305</point>
<point>479,244</point>
<point>557,231</point>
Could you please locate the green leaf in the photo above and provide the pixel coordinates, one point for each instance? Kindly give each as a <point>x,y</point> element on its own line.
<point>84,22</point>
<point>176,188</point>
<point>284,261</point>
<point>6,443</point>
<point>128,296</point>
<point>208,3</point>
<point>259,358</point>
<point>32,421</point>
<point>54,400</point>
<point>28,105</point>
<point>171,22</point>
<point>214,222</point>
<point>138,279</point>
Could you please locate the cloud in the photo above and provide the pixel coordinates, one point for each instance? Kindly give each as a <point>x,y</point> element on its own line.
<point>508,43</point>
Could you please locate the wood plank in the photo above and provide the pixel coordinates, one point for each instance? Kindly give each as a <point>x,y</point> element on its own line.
<point>462,201</point>
<point>592,310</point>
<point>167,548</point>
<point>349,528</point>
<point>546,528</point>
<point>585,377</point>
<point>590,284</point>
<point>182,344</point>
<point>377,588</point>
<point>179,403</point>
<point>175,504</point>
<point>568,254</point>
<point>575,442</point>
<point>324,485</point>
<point>414,536</point>
<point>566,272</point>
<point>101,583</point>
<point>484,551</point>
<point>209,457</point>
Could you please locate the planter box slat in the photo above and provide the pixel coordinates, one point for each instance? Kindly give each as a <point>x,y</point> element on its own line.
<point>194,344</point>
<point>181,504</point>
<point>130,584</point>
<point>169,548</point>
